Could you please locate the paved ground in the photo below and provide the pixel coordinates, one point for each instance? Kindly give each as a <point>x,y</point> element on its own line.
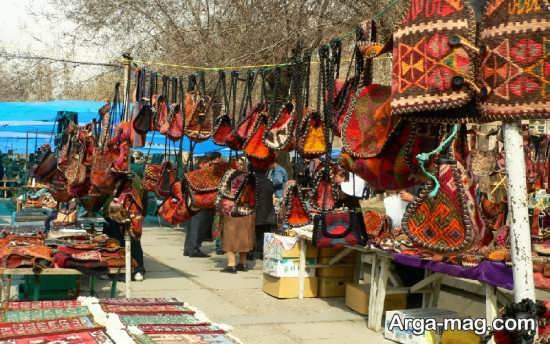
<point>238,299</point>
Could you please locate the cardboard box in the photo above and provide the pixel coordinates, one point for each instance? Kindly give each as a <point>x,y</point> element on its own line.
<point>278,247</point>
<point>287,267</point>
<point>287,287</point>
<point>333,287</point>
<point>406,336</point>
<point>357,298</point>
<point>329,252</point>
<point>336,271</point>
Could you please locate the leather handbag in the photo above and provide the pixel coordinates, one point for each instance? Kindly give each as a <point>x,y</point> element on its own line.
<point>338,229</point>
<point>58,187</point>
<point>295,208</point>
<point>244,128</point>
<point>102,179</point>
<point>142,122</point>
<point>222,130</point>
<point>174,209</point>
<point>280,134</point>
<point>198,116</point>
<point>126,208</point>
<point>167,177</point>
<point>202,185</point>
<point>312,140</point>
<point>46,167</point>
<point>255,147</point>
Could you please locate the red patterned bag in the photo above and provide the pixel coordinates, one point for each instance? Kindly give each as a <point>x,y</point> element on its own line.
<point>338,229</point>
<point>431,68</point>
<point>202,185</point>
<point>236,194</point>
<point>255,147</point>
<point>325,191</point>
<point>151,177</point>
<point>295,209</point>
<point>244,129</point>
<point>280,134</point>
<point>450,221</point>
<point>514,69</point>
<point>312,140</point>
<point>222,130</point>
<point>198,116</point>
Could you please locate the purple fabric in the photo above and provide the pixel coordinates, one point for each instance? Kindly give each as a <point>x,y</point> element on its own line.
<point>493,273</point>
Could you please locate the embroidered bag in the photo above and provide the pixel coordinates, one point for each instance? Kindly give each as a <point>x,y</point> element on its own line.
<point>376,223</point>
<point>223,125</point>
<point>168,176</point>
<point>280,133</point>
<point>395,167</point>
<point>514,67</point>
<point>222,130</point>
<point>198,111</point>
<point>255,147</point>
<point>312,139</point>
<point>296,211</point>
<point>151,176</point>
<point>202,185</point>
<point>325,191</point>
<point>244,129</point>
<point>47,165</point>
<point>449,221</point>
<point>174,209</point>
<point>338,229</point>
<point>236,195</point>
<point>430,65</point>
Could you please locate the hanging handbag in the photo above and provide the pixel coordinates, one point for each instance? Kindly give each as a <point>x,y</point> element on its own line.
<point>126,208</point>
<point>514,64</point>
<point>431,66</point>
<point>223,125</point>
<point>174,209</point>
<point>151,177</point>
<point>102,179</point>
<point>222,130</point>
<point>244,129</point>
<point>202,185</point>
<point>236,194</point>
<point>279,135</point>
<point>376,223</point>
<point>167,177</point>
<point>255,147</point>
<point>312,140</point>
<point>295,208</point>
<point>450,220</point>
<point>198,110</point>
<point>338,229</point>
<point>58,187</point>
<point>46,167</point>
<point>325,191</point>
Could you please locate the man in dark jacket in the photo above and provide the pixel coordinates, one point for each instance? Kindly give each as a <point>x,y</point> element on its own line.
<point>266,219</point>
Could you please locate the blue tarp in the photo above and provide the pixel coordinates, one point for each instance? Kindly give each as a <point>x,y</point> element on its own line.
<point>37,119</point>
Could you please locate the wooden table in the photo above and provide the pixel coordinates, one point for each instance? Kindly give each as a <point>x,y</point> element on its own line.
<point>7,274</point>
<point>113,274</point>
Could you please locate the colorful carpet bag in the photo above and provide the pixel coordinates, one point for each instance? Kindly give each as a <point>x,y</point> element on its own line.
<point>448,222</point>
<point>296,211</point>
<point>431,68</point>
<point>255,147</point>
<point>368,122</point>
<point>325,192</point>
<point>44,170</point>
<point>312,139</point>
<point>515,72</point>
<point>167,177</point>
<point>338,229</point>
<point>198,116</point>
<point>395,167</point>
<point>173,126</point>
<point>280,133</point>
<point>202,185</point>
<point>151,177</point>
<point>223,127</point>
<point>174,209</point>
<point>236,195</point>
<point>244,129</point>
<point>376,223</point>
<point>25,256</point>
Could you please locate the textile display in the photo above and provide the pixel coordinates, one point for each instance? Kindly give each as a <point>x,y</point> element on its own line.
<point>429,72</point>
<point>514,67</point>
<point>34,328</point>
<point>37,305</point>
<point>143,301</point>
<point>186,319</point>
<point>81,337</point>
<point>185,339</point>
<point>180,329</point>
<point>43,314</point>
<point>146,309</point>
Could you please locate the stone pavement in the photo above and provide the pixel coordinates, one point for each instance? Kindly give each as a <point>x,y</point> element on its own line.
<point>238,300</point>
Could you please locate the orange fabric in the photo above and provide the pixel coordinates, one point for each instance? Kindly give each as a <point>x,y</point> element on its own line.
<point>315,140</point>
<point>256,147</point>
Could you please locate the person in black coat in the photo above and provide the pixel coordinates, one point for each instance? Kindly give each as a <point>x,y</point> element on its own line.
<point>266,219</point>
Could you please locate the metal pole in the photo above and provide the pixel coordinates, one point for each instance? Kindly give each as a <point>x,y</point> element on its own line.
<point>27,146</point>
<point>127,239</point>
<point>520,234</point>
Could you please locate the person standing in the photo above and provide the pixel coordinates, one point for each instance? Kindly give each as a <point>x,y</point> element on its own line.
<point>278,177</point>
<point>197,226</point>
<point>266,219</point>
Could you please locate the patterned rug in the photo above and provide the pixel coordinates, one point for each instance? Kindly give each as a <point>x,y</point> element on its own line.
<point>137,301</point>
<point>180,329</point>
<point>44,314</point>
<point>31,305</point>
<point>85,337</point>
<point>184,339</point>
<point>187,319</point>
<point>146,309</point>
<point>9,330</point>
